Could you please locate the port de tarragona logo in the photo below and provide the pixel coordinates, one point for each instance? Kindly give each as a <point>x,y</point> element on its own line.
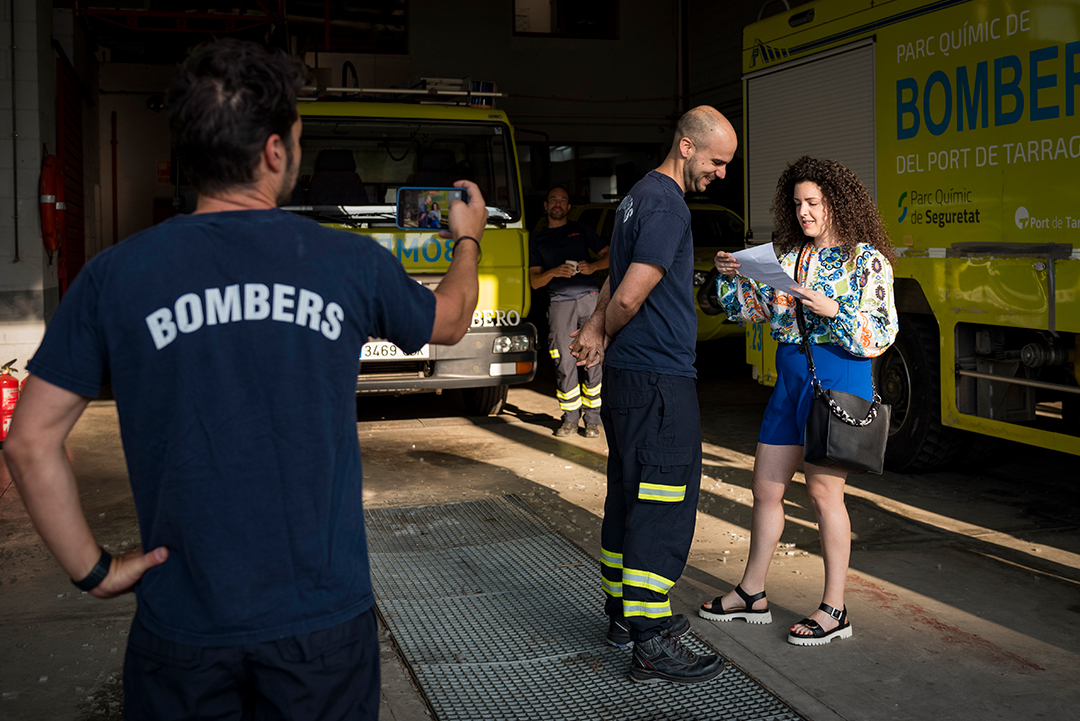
<point>1022,218</point>
<point>902,207</point>
<point>1026,221</point>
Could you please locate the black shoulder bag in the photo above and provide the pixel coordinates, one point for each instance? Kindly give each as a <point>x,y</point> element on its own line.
<point>843,431</point>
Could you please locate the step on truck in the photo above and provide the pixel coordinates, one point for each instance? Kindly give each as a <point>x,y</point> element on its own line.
<point>960,116</point>
<point>356,154</point>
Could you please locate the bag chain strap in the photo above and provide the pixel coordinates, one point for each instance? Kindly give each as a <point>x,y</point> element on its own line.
<point>819,392</point>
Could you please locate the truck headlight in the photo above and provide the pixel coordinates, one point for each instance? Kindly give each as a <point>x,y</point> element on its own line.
<point>510,344</point>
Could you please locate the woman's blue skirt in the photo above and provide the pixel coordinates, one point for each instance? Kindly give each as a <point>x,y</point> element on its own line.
<point>784,423</point>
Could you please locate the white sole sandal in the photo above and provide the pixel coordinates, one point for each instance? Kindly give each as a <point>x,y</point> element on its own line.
<point>818,635</point>
<point>748,614</point>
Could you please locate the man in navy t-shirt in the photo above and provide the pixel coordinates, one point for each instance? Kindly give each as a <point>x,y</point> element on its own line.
<point>644,331</point>
<point>560,258</point>
<point>231,338</point>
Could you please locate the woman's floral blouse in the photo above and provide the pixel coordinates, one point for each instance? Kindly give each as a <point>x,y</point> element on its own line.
<point>860,281</point>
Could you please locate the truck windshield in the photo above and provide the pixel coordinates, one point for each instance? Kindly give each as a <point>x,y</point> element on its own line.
<point>362,162</point>
<point>718,228</point>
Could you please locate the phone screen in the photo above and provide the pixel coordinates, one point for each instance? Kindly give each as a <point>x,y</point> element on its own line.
<point>426,208</point>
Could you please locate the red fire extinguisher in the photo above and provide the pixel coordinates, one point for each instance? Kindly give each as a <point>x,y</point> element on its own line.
<point>9,396</point>
<point>53,208</point>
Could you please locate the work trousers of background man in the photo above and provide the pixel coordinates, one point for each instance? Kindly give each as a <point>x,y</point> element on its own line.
<point>565,317</point>
<point>653,477</point>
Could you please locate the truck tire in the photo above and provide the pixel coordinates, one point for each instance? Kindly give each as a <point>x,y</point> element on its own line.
<point>485,401</point>
<point>909,380</point>
<point>706,295</point>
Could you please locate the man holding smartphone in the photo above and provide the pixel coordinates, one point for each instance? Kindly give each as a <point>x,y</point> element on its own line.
<point>254,594</point>
<point>559,258</point>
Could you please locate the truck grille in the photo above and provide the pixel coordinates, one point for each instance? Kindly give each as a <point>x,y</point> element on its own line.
<point>395,369</point>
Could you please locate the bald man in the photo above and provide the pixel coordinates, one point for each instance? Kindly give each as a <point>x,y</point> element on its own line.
<point>644,332</point>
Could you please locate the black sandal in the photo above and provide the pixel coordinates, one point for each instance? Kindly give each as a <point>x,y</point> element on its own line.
<point>748,614</point>
<point>819,636</point>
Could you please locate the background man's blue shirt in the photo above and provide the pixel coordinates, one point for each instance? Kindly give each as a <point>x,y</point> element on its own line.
<point>552,247</point>
<point>232,343</point>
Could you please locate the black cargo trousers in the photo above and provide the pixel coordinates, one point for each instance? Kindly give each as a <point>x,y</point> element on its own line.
<point>653,429</point>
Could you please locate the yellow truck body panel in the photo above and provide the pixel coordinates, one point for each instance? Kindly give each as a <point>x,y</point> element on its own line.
<point>973,151</point>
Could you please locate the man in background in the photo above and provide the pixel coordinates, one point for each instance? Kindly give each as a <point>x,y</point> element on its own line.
<point>560,258</point>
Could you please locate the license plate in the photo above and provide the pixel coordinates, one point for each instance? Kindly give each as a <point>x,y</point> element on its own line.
<point>381,350</point>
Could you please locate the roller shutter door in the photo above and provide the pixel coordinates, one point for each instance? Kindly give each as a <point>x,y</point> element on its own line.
<point>822,107</point>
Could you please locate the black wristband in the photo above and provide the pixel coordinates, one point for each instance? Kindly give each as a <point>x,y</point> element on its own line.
<point>97,574</point>
<point>479,250</point>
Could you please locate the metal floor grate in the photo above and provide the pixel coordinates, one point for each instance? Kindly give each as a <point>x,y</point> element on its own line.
<point>501,618</point>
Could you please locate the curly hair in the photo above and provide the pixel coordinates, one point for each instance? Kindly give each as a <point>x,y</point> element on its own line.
<point>226,100</point>
<point>852,213</point>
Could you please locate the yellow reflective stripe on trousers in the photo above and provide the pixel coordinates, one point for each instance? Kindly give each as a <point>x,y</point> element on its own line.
<point>573,393</point>
<point>590,397</point>
<point>590,400</point>
<point>608,558</point>
<point>554,353</point>
<point>648,609</point>
<point>644,579</point>
<point>612,588</point>
<point>660,492</point>
<point>570,405</point>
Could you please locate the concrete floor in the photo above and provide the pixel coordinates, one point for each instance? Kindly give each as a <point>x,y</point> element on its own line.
<point>963,589</point>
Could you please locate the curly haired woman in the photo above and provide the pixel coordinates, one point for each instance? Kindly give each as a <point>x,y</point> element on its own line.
<point>828,234</point>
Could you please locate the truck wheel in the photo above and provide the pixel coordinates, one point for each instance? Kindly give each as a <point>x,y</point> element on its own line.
<point>909,380</point>
<point>485,401</point>
<point>706,295</point>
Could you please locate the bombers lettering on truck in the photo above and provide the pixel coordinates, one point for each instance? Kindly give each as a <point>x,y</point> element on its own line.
<point>192,311</point>
<point>940,196</point>
<point>1024,151</point>
<point>493,318</point>
<point>963,36</point>
<point>418,249</point>
<point>968,90</point>
<point>943,218</point>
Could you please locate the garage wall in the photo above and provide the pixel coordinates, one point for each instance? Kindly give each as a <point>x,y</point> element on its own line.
<point>715,37</point>
<point>28,285</point>
<point>72,40</point>
<point>714,69</point>
<point>142,141</point>
<point>611,91</point>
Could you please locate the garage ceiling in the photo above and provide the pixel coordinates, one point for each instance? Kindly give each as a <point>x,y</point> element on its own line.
<point>160,32</point>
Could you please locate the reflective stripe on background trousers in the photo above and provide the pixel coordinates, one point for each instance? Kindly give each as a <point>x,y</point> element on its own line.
<point>565,317</point>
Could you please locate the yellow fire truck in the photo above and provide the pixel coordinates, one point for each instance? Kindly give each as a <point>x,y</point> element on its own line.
<point>356,154</point>
<point>960,116</point>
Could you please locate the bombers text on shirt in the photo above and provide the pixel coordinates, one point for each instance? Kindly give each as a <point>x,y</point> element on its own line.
<point>191,311</point>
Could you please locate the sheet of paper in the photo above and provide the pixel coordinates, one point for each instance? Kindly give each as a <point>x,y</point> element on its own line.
<point>760,264</point>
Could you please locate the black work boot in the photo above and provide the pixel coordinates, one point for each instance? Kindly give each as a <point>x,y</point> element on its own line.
<point>568,428</point>
<point>618,632</point>
<point>664,658</point>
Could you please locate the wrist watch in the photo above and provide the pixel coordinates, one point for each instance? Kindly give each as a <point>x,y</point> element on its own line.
<point>97,573</point>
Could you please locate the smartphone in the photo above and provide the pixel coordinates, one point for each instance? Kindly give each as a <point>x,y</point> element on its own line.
<point>426,208</point>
